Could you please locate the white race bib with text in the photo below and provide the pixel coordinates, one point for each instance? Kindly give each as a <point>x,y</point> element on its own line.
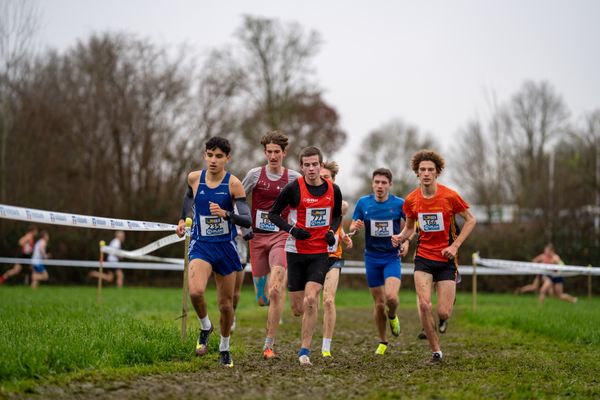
<point>431,222</point>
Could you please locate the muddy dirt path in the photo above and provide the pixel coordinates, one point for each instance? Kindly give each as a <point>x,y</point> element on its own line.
<point>354,371</point>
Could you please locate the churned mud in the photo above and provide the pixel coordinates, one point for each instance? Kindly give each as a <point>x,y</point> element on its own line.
<point>354,371</point>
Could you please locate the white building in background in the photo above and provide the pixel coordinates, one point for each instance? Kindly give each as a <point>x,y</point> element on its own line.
<point>499,213</point>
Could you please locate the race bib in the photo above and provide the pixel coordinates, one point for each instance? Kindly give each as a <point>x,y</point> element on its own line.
<point>212,225</point>
<point>317,217</point>
<point>431,222</point>
<point>263,222</point>
<point>382,228</point>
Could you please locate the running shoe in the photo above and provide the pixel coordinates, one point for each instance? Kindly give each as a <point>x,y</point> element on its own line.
<point>304,360</point>
<point>435,359</point>
<point>443,326</point>
<point>226,360</point>
<point>422,335</point>
<point>381,349</point>
<point>327,354</point>
<point>269,354</point>
<point>202,343</point>
<point>395,326</point>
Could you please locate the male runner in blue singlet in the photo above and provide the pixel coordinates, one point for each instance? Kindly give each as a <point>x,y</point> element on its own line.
<point>212,246</point>
<point>380,213</point>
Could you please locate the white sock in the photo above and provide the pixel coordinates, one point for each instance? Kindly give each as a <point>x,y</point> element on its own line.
<point>224,346</point>
<point>326,345</point>
<point>438,352</point>
<point>269,342</point>
<point>205,323</point>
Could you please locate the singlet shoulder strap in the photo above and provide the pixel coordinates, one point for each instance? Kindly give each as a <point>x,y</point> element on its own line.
<point>202,177</point>
<point>225,180</point>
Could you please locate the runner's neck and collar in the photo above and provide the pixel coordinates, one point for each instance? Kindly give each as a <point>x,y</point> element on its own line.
<point>214,177</point>
<point>316,182</point>
<point>275,170</point>
<point>382,200</point>
<point>429,191</point>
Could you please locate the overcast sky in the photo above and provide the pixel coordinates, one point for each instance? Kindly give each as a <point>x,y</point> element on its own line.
<point>431,63</point>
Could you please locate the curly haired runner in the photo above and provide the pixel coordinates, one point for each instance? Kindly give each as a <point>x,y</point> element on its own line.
<point>435,207</point>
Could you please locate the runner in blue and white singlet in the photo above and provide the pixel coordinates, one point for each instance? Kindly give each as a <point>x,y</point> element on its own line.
<point>208,229</point>
<point>382,220</point>
<point>380,214</point>
<point>213,192</point>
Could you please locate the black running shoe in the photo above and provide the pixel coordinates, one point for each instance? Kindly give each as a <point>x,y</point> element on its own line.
<point>226,360</point>
<point>422,335</point>
<point>443,325</point>
<point>435,359</point>
<point>202,343</point>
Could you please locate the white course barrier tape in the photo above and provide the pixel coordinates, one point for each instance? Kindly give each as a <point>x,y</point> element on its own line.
<point>538,268</point>
<point>141,253</point>
<point>82,221</point>
<point>96,264</point>
<point>125,254</point>
<point>350,268</point>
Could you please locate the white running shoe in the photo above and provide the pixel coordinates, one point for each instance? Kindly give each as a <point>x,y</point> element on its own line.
<point>304,360</point>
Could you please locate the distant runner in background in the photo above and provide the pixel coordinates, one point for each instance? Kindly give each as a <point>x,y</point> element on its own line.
<point>109,276</point>
<point>26,243</point>
<point>39,273</point>
<point>552,284</point>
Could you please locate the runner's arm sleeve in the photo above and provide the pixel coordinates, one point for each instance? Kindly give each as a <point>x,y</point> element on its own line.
<point>242,218</point>
<point>188,200</point>
<point>336,214</point>
<point>289,196</point>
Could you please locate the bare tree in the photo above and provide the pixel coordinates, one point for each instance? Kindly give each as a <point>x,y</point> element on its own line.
<point>108,118</point>
<point>539,116</point>
<point>391,146</point>
<point>19,20</point>
<point>481,154</point>
<point>279,90</point>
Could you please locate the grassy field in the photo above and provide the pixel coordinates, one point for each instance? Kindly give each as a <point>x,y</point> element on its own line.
<point>55,342</point>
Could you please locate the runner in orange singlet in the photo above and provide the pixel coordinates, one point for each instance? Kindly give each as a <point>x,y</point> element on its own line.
<point>434,206</point>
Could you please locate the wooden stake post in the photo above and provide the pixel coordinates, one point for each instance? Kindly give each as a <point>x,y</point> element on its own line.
<point>99,290</point>
<point>186,288</point>
<point>590,283</point>
<point>474,293</point>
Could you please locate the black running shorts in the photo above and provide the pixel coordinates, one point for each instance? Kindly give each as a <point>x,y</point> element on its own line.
<point>303,268</point>
<point>441,271</point>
